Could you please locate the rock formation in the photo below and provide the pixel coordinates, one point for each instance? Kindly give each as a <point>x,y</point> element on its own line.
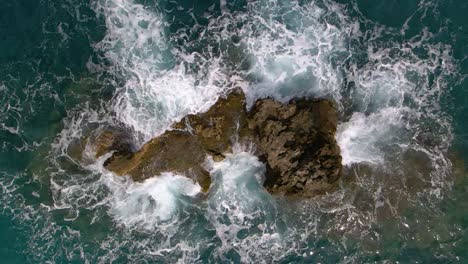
<point>297,143</point>
<point>295,140</point>
<point>184,149</point>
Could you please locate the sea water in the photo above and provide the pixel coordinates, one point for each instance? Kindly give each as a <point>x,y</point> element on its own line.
<point>395,69</point>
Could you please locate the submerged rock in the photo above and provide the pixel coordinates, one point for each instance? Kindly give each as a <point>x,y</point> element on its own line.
<point>295,140</point>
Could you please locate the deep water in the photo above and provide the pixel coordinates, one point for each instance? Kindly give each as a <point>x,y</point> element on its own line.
<point>396,69</point>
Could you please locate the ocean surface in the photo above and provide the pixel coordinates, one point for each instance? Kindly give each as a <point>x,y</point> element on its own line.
<point>396,69</point>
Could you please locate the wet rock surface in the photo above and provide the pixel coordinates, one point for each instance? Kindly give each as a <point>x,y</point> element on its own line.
<point>184,149</point>
<point>112,140</point>
<point>174,151</point>
<point>296,141</point>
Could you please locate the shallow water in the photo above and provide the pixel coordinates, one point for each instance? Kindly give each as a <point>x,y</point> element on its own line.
<point>396,70</point>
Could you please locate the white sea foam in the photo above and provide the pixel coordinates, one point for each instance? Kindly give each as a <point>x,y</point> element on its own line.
<point>237,186</point>
<point>154,200</point>
<point>145,205</point>
<point>157,90</point>
<point>362,137</point>
<point>240,209</point>
<point>292,49</point>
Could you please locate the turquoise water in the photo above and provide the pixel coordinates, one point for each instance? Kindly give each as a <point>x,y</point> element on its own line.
<point>69,69</point>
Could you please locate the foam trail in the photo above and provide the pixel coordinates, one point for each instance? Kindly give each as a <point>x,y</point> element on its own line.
<point>239,177</point>
<point>398,100</point>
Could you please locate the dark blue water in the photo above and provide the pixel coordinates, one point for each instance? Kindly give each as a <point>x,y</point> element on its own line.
<point>69,69</point>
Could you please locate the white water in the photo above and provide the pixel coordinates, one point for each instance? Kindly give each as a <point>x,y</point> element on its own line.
<point>239,208</point>
<point>152,201</point>
<point>362,137</point>
<point>293,51</point>
<point>157,91</point>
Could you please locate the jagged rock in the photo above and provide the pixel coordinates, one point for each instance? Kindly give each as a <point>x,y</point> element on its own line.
<point>217,128</point>
<point>297,143</point>
<point>295,140</point>
<point>183,150</point>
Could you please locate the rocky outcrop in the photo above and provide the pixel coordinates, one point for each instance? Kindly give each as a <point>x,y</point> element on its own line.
<point>295,140</point>
<point>297,143</point>
<point>183,150</point>
<point>217,128</point>
<point>175,151</point>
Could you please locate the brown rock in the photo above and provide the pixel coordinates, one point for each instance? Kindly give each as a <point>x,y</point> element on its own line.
<point>184,149</point>
<point>174,151</point>
<point>295,140</point>
<point>217,128</point>
<point>112,140</point>
<point>297,143</point>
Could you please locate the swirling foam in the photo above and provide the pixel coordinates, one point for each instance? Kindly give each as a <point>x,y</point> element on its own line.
<point>150,202</point>
<point>157,89</point>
